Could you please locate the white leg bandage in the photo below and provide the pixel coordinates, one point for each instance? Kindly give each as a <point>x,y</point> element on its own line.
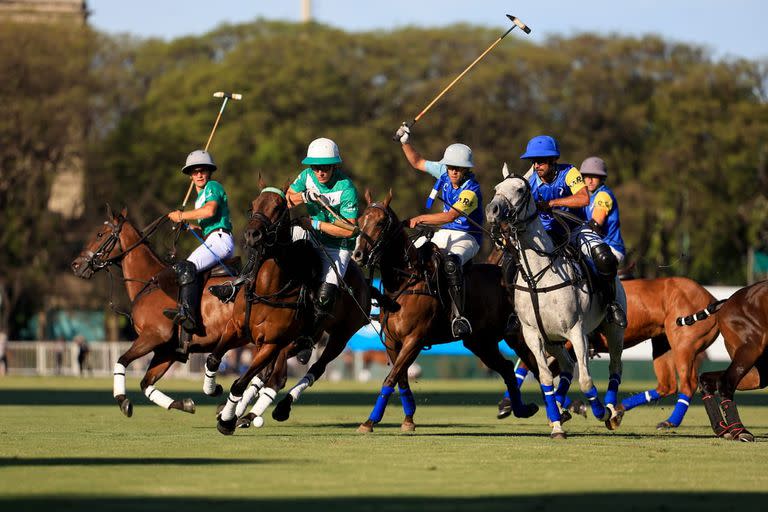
<point>118,384</point>
<point>250,393</point>
<point>266,397</point>
<point>209,383</point>
<point>158,397</point>
<point>228,412</point>
<point>303,384</point>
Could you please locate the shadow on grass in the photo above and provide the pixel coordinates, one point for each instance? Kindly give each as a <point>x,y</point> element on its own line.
<point>313,397</point>
<point>124,461</point>
<point>630,501</point>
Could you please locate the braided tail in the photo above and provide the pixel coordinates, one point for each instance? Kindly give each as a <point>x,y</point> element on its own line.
<point>700,315</point>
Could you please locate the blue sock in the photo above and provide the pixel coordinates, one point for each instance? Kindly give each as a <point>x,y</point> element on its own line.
<point>409,403</point>
<point>567,402</point>
<point>681,407</point>
<point>520,375</point>
<point>562,387</point>
<point>643,398</point>
<point>553,413</point>
<point>381,404</point>
<point>612,395</point>
<point>594,401</point>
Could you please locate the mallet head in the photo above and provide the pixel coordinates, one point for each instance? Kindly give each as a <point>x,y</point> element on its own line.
<point>230,95</point>
<point>519,23</point>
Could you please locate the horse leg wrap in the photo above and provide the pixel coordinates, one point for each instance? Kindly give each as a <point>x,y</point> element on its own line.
<point>158,397</point>
<point>228,412</point>
<point>381,404</point>
<point>733,423</point>
<point>266,397</point>
<point>612,395</point>
<point>598,410</point>
<point>520,375</point>
<point>250,393</point>
<point>714,413</point>
<point>118,383</point>
<point>409,403</point>
<point>303,384</point>
<point>553,412</point>
<point>681,407</point>
<point>643,398</point>
<point>562,388</point>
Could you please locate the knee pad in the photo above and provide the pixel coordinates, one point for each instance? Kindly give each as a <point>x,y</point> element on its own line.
<point>452,268</point>
<point>326,296</point>
<point>186,272</point>
<point>605,261</point>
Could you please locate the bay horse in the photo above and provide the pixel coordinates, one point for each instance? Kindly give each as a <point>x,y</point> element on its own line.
<point>554,303</point>
<point>152,287</point>
<point>274,309</point>
<point>413,314</point>
<point>743,322</point>
<point>653,307</point>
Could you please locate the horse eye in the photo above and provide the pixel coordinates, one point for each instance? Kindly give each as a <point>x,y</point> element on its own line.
<point>100,235</point>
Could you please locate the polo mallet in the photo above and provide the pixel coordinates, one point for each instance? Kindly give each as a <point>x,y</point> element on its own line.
<point>227,96</point>
<point>516,23</point>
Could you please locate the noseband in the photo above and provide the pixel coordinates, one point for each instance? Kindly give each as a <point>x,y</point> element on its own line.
<point>513,213</point>
<point>99,259</point>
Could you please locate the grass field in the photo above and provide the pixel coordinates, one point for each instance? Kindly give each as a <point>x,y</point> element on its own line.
<point>64,445</point>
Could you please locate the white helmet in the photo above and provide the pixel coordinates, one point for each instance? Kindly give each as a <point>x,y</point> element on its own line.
<point>198,158</point>
<point>322,151</point>
<point>458,155</point>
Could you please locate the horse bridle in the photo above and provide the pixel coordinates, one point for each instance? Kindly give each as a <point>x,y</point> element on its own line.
<point>514,212</point>
<point>385,237</point>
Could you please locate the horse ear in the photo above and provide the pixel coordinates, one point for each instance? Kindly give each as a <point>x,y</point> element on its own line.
<point>286,185</point>
<point>388,199</point>
<point>262,184</point>
<point>124,212</point>
<point>505,170</point>
<point>367,196</point>
<point>110,215</point>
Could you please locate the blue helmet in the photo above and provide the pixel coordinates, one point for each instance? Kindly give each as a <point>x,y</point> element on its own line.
<point>541,146</point>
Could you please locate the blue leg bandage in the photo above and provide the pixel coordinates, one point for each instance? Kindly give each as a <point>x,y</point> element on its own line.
<point>409,403</point>
<point>598,410</point>
<point>553,413</point>
<point>562,387</point>
<point>681,407</point>
<point>520,375</point>
<point>381,404</point>
<point>612,395</point>
<point>643,398</point>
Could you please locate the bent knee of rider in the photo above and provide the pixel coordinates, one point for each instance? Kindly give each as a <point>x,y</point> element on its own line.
<point>605,261</point>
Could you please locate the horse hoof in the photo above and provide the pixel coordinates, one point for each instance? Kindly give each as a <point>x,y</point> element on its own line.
<point>745,437</point>
<point>528,411</point>
<point>227,427</point>
<point>407,426</point>
<point>282,410</point>
<point>218,390</point>
<point>505,408</point>
<point>126,407</point>
<point>565,416</point>
<point>558,435</point>
<point>365,428</point>
<point>188,405</point>
<point>245,421</point>
<point>664,425</point>
<point>578,407</point>
<point>614,421</point>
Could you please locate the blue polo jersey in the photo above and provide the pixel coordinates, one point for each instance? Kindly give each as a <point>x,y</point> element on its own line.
<point>603,199</point>
<point>568,181</point>
<point>467,198</point>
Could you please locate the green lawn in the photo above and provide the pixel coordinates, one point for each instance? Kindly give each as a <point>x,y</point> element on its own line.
<point>64,445</point>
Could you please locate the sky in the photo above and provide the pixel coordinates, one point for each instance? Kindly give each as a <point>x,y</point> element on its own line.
<point>728,29</point>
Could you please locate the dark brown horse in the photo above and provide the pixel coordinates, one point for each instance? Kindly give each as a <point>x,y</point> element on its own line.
<point>417,316</point>
<point>653,306</point>
<point>151,288</point>
<point>743,321</point>
<point>273,310</point>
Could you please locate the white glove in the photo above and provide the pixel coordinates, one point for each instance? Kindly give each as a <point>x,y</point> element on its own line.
<point>310,196</point>
<point>403,134</point>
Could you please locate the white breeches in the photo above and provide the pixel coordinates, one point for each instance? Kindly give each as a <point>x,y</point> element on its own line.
<point>338,257</point>
<point>452,241</point>
<point>217,244</point>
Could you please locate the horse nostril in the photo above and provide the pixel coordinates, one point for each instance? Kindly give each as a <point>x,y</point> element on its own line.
<point>495,209</point>
<point>357,255</point>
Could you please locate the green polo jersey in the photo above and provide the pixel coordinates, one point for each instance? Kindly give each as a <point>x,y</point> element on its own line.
<point>342,196</point>
<point>213,191</point>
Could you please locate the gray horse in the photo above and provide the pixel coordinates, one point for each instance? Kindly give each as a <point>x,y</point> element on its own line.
<point>553,303</point>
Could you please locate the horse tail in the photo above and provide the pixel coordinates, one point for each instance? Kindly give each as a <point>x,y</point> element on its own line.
<point>384,302</point>
<point>700,315</point>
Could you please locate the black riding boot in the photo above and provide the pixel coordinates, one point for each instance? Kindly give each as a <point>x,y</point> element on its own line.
<point>186,314</point>
<point>607,267</point>
<point>460,326</point>
<point>326,299</point>
<point>228,291</point>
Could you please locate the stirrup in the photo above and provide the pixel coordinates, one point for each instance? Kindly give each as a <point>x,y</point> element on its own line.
<point>460,327</point>
<point>173,314</point>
